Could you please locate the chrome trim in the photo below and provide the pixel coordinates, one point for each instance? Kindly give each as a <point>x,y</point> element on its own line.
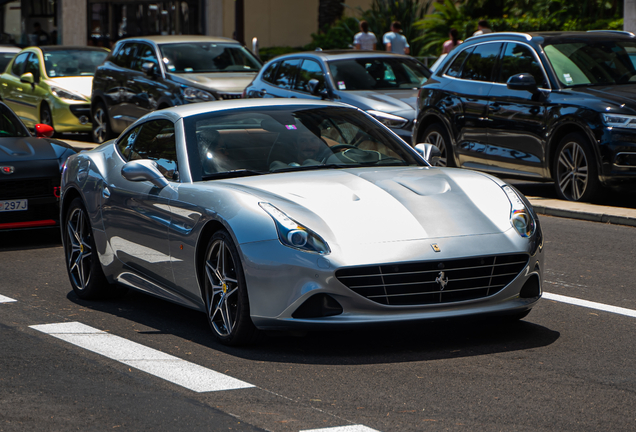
<point>624,153</point>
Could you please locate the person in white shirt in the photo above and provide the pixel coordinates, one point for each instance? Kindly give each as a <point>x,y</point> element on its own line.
<point>394,41</point>
<point>482,28</point>
<point>364,40</point>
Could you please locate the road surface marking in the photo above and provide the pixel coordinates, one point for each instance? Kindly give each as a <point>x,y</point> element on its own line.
<point>590,304</point>
<point>170,368</point>
<point>351,428</point>
<point>4,299</point>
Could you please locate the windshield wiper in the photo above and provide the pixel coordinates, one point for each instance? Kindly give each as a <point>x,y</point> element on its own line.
<point>310,167</point>
<point>231,174</point>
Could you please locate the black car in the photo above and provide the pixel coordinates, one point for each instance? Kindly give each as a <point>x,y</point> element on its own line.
<point>155,72</point>
<point>383,84</point>
<point>542,106</point>
<point>30,172</point>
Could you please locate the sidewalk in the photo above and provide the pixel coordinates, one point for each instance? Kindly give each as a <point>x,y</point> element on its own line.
<point>543,206</point>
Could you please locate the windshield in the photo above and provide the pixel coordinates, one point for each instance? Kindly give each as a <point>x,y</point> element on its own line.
<point>10,126</point>
<point>208,57</point>
<point>378,73</point>
<point>277,139</point>
<point>66,63</point>
<point>602,62</point>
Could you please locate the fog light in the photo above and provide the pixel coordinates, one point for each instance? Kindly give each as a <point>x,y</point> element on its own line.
<point>83,119</point>
<point>317,306</point>
<point>531,288</point>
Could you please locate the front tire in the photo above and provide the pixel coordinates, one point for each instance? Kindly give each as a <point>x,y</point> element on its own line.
<point>101,124</point>
<point>225,292</point>
<point>436,134</point>
<point>575,170</point>
<point>45,115</point>
<point>82,263</point>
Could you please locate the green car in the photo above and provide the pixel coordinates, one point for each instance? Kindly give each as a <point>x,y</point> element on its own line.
<point>52,85</point>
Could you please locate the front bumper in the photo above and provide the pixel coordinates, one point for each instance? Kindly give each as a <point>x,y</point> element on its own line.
<point>71,116</point>
<point>618,155</point>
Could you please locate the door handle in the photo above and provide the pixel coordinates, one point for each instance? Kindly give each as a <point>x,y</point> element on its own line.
<point>494,108</point>
<point>106,192</point>
<point>263,92</point>
<point>130,82</point>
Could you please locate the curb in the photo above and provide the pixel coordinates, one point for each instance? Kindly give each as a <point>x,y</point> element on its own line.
<point>582,211</point>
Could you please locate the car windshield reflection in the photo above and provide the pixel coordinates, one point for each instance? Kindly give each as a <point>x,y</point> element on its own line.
<point>253,142</point>
<point>207,57</point>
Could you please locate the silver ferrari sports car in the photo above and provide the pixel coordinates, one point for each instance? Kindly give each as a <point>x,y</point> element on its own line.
<point>278,214</point>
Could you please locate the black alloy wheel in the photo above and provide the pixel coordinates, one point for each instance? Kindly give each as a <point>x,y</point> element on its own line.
<point>82,263</point>
<point>101,124</point>
<point>575,171</point>
<point>45,115</point>
<point>436,134</point>
<point>225,292</point>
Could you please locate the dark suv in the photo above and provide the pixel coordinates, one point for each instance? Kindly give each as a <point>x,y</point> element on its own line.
<point>155,72</point>
<point>542,106</point>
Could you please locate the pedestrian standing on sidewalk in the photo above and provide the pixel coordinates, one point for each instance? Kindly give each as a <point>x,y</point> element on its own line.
<point>452,42</point>
<point>394,41</point>
<point>364,40</point>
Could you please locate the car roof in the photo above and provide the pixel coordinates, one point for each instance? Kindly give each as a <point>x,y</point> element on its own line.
<point>345,54</point>
<point>181,39</point>
<point>51,48</point>
<point>551,37</point>
<point>188,110</point>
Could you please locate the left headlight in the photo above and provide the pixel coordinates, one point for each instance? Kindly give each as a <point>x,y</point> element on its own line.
<point>388,120</point>
<point>293,234</point>
<point>65,94</point>
<point>192,94</point>
<point>620,121</point>
<point>520,215</point>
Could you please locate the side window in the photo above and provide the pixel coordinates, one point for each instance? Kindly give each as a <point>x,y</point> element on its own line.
<point>308,71</point>
<point>124,56</point>
<point>145,54</point>
<point>33,66</point>
<point>286,73</point>
<point>18,65</point>
<point>518,59</point>
<point>455,69</point>
<point>480,63</point>
<point>270,70</point>
<point>125,144</point>
<point>156,141</point>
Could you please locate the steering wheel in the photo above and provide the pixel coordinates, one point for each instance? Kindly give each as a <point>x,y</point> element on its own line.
<point>336,149</point>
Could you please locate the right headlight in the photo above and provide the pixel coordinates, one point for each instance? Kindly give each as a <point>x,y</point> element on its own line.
<point>520,215</point>
<point>620,121</point>
<point>65,94</point>
<point>388,120</point>
<point>293,234</point>
<point>192,94</point>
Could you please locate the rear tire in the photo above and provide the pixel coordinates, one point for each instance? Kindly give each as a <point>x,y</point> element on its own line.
<point>225,292</point>
<point>101,124</point>
<point>46,117</point>
<point>575,170</point>
<point>436,134</point>
<point>82,263</point>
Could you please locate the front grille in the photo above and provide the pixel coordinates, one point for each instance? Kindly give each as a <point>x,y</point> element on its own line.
<point>226,96</point>
<point>433,282</point>
<point>27,188</point>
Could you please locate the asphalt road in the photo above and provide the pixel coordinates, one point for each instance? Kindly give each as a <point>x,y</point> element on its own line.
<point>564,367</point>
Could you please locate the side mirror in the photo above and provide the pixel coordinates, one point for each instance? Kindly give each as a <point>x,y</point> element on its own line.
<point>43,130</point>
<point>522,81</point>
<point>27,78</point>
<point>429,152</point>
<point>313,86</point>
<point>144,170</point>
<point>148,68</point>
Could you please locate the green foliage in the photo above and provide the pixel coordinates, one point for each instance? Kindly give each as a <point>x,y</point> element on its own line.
<point>435,26</point>
<point>338,36</point>
<point>269,53</point>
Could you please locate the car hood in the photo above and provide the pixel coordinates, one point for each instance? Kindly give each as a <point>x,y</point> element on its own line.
<point>78,84</point>
<point>398,102</point>
<point>389,204</point>
<point>234,82</point>
<point>31,148</point>
<point>618,94</point>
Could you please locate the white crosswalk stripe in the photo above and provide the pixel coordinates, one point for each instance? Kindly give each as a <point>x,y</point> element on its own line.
<point>165,366</point>
<point>4,299</point>
<point>350,428</point>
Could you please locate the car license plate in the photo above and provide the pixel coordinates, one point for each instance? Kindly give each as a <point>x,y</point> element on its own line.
<point>14,205</point>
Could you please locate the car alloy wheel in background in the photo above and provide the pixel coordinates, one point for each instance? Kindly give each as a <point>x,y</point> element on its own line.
<point>227,304</point>
<point>101,124</point>
<point>45,115</point>
<point>436,135</point>
<point>576,177</point>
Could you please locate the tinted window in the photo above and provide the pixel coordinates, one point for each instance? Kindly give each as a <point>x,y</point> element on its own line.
<point>60,63</point>
<point>519,59</point>
<point>125,144</point>
<point>375,73</point>
<point>195,57</point>
<point>480,63</point>
<point>145,54</point>
<point>270,72</point>
<point>19,63</point>
<point>33,66</point>
<point>455,69</point>
<point>286,73</point>
<point>309,70</point>
<point>156,142</point>
<point>10,126</point>
<point>124,55</point>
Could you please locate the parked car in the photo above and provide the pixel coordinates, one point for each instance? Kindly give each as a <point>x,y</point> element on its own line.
<point>383,84</point>
<point>279,213</point>
<point>6,55</point>
<point>30,170</point>
<point>52,85</point>
<point>155,72</point>
<point>555,106</point>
